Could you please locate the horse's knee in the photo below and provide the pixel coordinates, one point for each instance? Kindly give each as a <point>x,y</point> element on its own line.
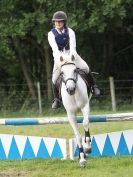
<point>86,124</point>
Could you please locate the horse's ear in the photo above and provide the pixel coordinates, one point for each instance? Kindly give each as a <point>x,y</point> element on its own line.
<point>72,58</point>
<point>61,58</point>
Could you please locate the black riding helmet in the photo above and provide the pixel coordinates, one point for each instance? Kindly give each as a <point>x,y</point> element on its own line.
<point>59,16</point>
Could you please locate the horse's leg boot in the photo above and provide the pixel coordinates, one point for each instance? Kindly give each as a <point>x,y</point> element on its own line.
<point>56,102</point>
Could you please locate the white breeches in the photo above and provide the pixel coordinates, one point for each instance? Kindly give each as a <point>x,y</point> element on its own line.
<point>80,63</point>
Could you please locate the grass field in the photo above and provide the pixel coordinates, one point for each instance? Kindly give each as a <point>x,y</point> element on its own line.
<point>98,166</point>
<point>118,166</point>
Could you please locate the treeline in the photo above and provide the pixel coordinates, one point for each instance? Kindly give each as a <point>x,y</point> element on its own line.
<point>104,31</point>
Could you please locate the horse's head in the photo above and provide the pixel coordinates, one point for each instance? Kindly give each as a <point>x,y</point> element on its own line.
<point>69,73</point>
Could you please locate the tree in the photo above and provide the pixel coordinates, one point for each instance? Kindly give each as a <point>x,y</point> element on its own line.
<point>103,30</point>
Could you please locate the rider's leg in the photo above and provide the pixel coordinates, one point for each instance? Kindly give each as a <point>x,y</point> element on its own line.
<point>95,90</point>
<point>56,102</point>
<point>80,63</point>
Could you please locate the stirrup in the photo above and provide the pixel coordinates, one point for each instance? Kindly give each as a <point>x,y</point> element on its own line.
<point>56,103</point>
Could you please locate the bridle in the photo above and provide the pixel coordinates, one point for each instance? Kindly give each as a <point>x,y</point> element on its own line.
<point>73,79</point>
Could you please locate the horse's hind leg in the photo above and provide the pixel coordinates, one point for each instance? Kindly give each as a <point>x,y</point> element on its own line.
<point>86,111</point>
<point>73,123</point>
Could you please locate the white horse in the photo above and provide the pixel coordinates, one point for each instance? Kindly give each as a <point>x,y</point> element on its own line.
<point>74,95</point>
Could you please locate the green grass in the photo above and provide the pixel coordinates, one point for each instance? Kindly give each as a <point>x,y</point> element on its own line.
<point>96,166</point>
<point>64,130</point>
<point>97,107</point>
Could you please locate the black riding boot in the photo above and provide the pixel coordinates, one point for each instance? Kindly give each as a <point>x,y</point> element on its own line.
<point>94,88</point>
<point>56,102</point>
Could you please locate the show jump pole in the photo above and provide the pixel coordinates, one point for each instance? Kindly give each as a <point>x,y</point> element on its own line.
<point>63,120</point>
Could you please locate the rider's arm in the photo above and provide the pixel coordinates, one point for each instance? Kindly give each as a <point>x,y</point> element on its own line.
<point>53,44</point>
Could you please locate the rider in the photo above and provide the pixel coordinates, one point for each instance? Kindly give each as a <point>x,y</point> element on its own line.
<point>62,40</point>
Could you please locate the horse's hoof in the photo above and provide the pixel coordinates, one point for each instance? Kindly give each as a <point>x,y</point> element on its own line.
<point>82,162</point>
<point>88,149</point>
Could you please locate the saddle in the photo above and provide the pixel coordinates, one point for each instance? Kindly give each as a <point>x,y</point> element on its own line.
<point>84,76</point>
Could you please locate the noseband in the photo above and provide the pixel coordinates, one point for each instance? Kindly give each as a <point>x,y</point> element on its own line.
<point>74,80</point>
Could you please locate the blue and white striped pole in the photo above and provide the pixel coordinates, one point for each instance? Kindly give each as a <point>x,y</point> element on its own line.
<point>61,120</point>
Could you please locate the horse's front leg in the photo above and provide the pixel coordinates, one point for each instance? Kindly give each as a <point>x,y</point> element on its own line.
<point>73,123</point>
<point>86,111</point>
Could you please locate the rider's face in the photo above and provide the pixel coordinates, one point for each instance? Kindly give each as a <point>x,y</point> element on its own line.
<point>59,24</point>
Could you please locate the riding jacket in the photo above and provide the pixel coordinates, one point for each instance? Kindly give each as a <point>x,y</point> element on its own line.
<point>62,41</point>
